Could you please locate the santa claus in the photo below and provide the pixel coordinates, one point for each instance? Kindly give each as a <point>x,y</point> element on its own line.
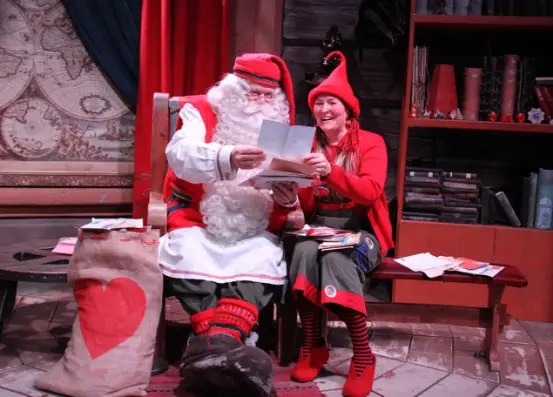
<point>222,256</point>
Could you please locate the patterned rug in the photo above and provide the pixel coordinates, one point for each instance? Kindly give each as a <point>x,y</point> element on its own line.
<point>164,384</point>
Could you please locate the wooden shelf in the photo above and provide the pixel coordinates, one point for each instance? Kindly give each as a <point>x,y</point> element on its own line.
<point>461,226</point>
<point>480,125</point>
<point>479,22</point>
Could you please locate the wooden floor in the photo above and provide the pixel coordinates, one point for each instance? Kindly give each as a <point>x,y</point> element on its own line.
<point>413,359</point>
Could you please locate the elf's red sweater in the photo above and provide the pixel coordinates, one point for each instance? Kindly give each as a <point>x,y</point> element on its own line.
<point>365,188</point>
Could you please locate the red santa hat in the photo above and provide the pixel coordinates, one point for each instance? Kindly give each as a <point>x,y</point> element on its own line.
<point>336,85</point>
<point>268,70</point>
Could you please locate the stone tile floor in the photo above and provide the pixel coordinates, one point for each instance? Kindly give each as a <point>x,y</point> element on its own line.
<point>413,359</point>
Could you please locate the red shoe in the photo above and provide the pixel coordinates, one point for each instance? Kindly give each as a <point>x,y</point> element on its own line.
<point>359,385</point>
<point>308,368</point>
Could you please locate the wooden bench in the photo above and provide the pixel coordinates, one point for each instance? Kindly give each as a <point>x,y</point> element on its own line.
<point>493,317</point>
<point>32,261</point>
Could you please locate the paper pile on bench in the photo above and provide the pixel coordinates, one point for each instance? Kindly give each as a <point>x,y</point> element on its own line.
<point>114,224</point>
<point>435,266</point>
<point>66,245</point>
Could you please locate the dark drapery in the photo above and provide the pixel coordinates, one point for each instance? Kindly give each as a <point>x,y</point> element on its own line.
<point>110,31</point>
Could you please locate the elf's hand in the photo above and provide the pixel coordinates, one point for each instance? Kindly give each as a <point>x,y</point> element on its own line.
<point>319,162</point>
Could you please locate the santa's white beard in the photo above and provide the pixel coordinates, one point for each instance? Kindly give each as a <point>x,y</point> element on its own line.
<point>232,212</point>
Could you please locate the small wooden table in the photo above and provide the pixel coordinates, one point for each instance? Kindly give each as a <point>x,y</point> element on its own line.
<point>32,261</point>
<point>493,317</point>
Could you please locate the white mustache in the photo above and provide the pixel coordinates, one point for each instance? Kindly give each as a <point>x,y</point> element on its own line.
<point>267,109</point>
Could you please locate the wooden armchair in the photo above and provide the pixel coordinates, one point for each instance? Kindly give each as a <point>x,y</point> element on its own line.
<point>164,124</point>
<point>164,121</point>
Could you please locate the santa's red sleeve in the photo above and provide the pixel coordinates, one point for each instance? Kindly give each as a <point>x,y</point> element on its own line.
<point>307,200</point>
<point>278,217</point>
<point>367,185</point>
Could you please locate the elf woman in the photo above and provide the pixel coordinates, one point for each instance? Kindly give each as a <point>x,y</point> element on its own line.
<point>351,165</point>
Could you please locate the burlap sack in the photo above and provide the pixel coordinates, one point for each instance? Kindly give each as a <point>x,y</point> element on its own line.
<point>118,289</point>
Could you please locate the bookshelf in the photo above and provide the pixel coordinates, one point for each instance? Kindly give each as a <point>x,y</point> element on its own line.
<point>531,250</point>
<point>480,125</point>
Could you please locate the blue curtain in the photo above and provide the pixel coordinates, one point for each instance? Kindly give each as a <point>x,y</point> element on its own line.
<point>110,31</point>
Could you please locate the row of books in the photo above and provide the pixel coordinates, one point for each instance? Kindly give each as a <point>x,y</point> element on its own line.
<point>441,196</point>
<point>537,200</point>
<point>486,95</point>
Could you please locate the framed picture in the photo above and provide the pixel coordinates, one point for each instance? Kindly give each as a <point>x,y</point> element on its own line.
<point>66,137</point>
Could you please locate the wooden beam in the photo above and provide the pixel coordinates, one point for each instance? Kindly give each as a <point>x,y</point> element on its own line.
<point>65,168</point>
<point>66,211</point>
<point>49,197</point>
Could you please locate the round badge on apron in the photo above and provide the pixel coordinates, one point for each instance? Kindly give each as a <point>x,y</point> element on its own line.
<point>330,291</point>
<point>369,243</point>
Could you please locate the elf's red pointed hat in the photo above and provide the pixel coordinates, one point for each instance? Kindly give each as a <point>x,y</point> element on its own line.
<point>268,70</point>
<point>337,85</point>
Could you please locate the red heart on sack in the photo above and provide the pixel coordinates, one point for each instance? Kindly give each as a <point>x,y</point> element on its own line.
<point>108,315</point>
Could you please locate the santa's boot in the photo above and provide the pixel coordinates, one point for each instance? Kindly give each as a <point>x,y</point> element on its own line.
<point>241,372</point>
<point>247,371</point>
<point>314,352</point>
<point>220,361</point>
<point>201,321</point>
<point>196,345</point>
<point>232,320</point>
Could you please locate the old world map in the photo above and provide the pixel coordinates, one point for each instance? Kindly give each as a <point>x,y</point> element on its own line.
<point>55,104</point>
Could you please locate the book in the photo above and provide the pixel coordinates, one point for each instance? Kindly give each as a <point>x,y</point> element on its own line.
<point>285,146</point>
<point>265,179</point>
<point>543,216</point>
<point>544,80</point>
<point>321,233</point>
<point>507,208</point>
<point>349,241</point>
<point>65,246</point>
<point>532,199</point>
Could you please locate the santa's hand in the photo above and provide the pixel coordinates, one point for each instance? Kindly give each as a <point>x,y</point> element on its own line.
<point>319,162</point>
<point>285,194</point>
<point>246,157</point>
<point>191,119</point>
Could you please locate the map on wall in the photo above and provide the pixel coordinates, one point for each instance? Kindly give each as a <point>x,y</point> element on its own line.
<point>55,104</point>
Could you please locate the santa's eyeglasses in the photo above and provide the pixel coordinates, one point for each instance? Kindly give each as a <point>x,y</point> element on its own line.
<point>259,96</point>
